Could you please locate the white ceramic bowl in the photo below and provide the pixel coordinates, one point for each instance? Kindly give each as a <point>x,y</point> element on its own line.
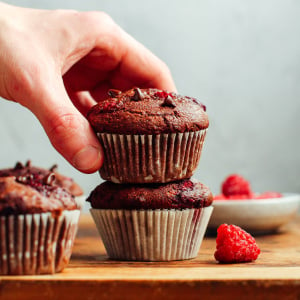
<point>256,216</point>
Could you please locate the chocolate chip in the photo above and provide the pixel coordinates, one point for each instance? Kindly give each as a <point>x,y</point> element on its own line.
<point>22,179</point>
<point>49,179</point>
<point>19,165</point>
<point>53,168</point>
<point>28,163</point>
<point>138,95</point>
<point>113,93</point>
<point>169,102</point>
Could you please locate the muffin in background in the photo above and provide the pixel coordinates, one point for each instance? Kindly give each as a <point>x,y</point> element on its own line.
<point>152,222</point>
<point>28,169</point>
<point>38,224</point>
<point>149,135</point>
<point>40,174</point>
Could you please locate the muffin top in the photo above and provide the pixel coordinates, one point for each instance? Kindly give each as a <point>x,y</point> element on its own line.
<point>147,111</point>
<point>187,193</point>
<point>27,170</point>
<point>30,194</point>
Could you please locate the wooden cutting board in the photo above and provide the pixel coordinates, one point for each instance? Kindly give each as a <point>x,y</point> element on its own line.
<point>91,275</point>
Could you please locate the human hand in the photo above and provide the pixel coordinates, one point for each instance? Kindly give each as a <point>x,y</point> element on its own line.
<point>57,63</point>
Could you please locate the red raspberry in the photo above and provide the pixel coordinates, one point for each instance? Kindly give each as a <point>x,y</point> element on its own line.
<point>112,105</point>
<point>163,94</point>
<point>234,245</point>
<point>236,185</point>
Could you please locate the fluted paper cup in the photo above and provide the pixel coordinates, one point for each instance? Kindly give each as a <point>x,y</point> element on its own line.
<point>152,235</point>
<point>80,201</point>
<point>150,158</point>
<point>36,243</point>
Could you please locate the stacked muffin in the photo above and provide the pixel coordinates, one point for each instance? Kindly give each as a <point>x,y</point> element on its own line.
<point>150,209</point>
<point>38,220</point>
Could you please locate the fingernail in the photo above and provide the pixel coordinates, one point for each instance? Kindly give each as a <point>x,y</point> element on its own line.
<point>87,158</point>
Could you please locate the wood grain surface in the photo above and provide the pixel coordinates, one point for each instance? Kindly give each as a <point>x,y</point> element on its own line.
<point>91,275</point>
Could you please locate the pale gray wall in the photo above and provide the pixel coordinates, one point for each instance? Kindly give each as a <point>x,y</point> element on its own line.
<point>240,57</point>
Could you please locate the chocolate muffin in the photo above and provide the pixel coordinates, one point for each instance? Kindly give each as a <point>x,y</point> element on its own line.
<point>152,222</point>
<point>38,225</point>
<point>149,135</point>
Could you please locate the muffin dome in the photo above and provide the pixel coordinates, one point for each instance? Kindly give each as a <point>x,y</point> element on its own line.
<point>147,111</point>
<point>40,174</point>
<point>25,195</point>
<point>188,193</point>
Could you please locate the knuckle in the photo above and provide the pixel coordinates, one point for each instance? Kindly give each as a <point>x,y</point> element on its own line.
<point>97,19</point>
<point>63,127</point>
<point>26,80</point>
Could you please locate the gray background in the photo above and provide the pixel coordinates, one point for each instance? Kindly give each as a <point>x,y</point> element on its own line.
<point>241,58</point>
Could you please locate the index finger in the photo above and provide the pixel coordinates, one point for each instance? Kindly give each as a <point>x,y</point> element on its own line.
<point>118,60</point>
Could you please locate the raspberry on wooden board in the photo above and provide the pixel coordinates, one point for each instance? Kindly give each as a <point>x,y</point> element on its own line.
<point>234,245</point>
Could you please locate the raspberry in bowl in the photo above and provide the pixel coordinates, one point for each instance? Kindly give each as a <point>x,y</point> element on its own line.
<point>236,185</point>
<point>258,213</point>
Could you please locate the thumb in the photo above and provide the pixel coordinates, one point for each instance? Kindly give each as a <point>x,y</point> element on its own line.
<point>69,132</point>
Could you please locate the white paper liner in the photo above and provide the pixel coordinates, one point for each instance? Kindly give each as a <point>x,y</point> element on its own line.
<point>152,235</point>
<point>150,158</point>
<point>80,201</point>
<point>36,243</point>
